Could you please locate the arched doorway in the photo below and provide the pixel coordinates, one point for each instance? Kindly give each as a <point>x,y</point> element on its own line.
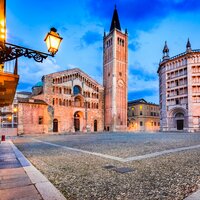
<point>55,125</point>
<point>76,121</point>
<point>179,117</point>
<point>95,125</point>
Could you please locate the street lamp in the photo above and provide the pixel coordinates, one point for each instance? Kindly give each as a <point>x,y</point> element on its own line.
<point>53,41</point>
<point>10,51</point>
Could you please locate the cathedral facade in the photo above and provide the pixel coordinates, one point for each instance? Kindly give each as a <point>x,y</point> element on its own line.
<point>74,101</point>
<point>71,101</point>
<point>179,90</point>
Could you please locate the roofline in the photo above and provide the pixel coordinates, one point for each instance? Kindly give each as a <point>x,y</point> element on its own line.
<point>41,103</point>
<point>115,29</point>
<point>177,56</point>
<point>149,103</point>
<point>67,70</point>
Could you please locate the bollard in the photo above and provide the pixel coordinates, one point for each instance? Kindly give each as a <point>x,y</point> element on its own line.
<point>3,138</point>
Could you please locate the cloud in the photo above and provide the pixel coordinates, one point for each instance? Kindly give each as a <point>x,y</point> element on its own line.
<point>141,93</point>
<point>71,66</point>
<point>32,72</point>
<point>147,94</point>
<point>141,73</point>
<point>91,37</point>
<point>134,46</point>
<point>142,83</point>
<point>24,86</point>
<point>142,15</point>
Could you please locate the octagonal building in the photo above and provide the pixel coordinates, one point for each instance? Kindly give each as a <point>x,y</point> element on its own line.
<point>179,90</point>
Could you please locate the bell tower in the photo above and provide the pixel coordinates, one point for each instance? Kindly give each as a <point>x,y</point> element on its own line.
<point>115,73</point>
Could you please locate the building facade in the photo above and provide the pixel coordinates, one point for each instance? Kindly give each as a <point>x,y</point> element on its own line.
<point>179,90</point>
<point>115,72</point>
<point>143,116</point>
<point>70,100</point>
<point>75,101</point>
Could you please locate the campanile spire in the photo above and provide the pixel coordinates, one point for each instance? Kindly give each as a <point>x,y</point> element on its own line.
<point>115,21</point>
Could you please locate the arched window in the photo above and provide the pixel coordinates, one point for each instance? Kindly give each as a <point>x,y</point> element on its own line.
<point>60,102</point>
<point>77,90</point>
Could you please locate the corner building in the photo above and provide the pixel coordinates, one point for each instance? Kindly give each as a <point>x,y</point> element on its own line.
<point>179,90</point>
<point>143,116</point>
<point>115,69</point>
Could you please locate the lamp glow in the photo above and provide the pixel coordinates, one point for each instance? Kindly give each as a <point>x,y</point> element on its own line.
<point>53,41</point>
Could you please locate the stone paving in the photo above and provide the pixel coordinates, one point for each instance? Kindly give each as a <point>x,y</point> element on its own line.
<point>19,180</point>
<point>14,182</point>
<point>73,163</point>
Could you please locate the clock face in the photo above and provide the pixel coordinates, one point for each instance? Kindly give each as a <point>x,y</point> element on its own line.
<point>120,83</point>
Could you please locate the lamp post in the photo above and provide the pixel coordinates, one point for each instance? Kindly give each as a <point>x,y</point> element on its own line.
<point>86,114</point>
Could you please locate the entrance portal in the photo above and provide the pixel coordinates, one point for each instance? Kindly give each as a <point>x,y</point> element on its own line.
<point>55,125</point>
<point>95,125</point>
<point>76,122</point>
<point>179,124</point>
<point>179,117</point>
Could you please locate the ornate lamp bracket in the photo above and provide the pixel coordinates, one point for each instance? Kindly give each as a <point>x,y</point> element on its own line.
<point>10,52</point>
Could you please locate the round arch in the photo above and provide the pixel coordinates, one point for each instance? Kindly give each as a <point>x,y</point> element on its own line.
<point>78,121</point>
<point>177,118</point>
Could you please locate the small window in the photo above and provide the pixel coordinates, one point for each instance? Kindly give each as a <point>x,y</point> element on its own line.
<point>120,73</point>
<point>140,112</point>
<point>77,90</point>
<point>177,101</point>
<point>40,120</point>
<point>141,123</point>
<point>154,123</point>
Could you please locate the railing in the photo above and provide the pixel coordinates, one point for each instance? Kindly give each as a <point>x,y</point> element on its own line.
<point>176,76</point>
<point>9,67</point>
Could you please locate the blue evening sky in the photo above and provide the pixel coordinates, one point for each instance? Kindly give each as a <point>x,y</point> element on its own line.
<point>82,23</point>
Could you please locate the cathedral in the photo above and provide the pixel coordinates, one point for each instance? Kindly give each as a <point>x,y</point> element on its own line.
<point>72,101</point>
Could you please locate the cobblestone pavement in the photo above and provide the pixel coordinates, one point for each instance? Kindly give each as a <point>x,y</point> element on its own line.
<point>81,175</point>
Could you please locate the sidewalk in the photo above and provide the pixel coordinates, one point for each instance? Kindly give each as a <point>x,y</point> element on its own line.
<point>20,180</point>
